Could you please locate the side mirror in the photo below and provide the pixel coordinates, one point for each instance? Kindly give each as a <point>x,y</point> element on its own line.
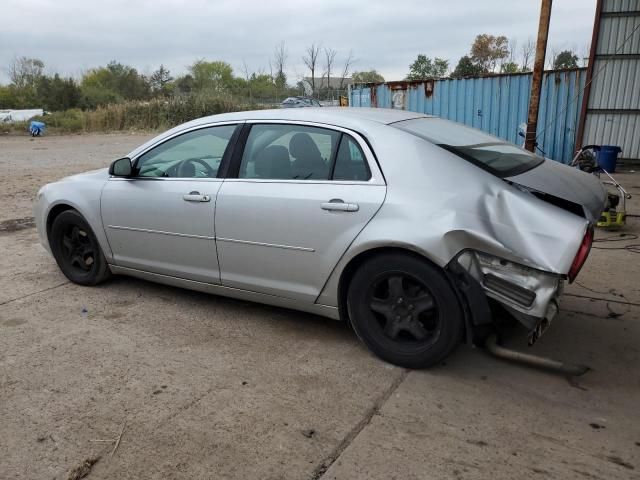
<point>121,168</point>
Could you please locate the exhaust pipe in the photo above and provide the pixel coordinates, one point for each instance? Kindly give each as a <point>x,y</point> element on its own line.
<point>532,360</point>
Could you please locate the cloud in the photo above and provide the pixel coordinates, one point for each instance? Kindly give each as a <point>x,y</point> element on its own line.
<point>71,36</point>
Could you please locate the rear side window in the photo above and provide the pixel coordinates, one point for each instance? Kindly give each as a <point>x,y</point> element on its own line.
<point>299,152</point>
<point>500,158</point>
<point>288,152</point>
<point>350,161</point>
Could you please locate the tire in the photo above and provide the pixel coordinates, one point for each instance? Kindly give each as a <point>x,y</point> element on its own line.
<point>405,310</point>
<point>76,250</point>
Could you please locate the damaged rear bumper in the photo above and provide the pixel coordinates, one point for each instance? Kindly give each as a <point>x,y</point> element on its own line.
<point>530,295</point>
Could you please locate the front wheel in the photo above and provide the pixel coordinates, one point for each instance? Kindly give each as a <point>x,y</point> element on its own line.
<point>405,310</point>
<point>76,249</point>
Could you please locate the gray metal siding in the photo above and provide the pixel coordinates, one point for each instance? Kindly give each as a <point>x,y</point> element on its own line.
<point>617,86</point>
<point>614,129</point>
<point>614,31</point>
<point>621,5</point>
<point>613,107</point>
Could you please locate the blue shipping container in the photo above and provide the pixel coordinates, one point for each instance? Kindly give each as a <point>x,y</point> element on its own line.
<point>497,104</point>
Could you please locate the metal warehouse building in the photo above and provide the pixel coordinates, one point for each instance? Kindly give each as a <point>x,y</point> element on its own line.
<point>610,113</point>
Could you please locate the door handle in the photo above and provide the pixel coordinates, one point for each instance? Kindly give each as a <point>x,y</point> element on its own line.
<point>196,197</point>
<point>338,205</point>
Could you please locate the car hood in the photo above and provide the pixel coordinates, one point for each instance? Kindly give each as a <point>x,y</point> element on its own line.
<point>566,183</point>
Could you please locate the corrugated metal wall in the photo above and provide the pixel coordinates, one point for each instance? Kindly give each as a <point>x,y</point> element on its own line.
<point>612,114</point>
<point>496,104</point>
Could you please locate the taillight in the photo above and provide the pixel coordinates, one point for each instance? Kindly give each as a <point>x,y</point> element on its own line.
<point>581,256</point>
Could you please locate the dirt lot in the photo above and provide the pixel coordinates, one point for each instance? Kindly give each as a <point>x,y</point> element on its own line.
<point>28,163</point>
<point>197,386</point>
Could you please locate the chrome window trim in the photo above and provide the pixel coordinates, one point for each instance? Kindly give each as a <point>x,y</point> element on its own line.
<point>167,179</point>
<point>302,182</point>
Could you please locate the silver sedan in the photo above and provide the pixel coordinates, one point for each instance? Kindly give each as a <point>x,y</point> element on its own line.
<point>413,229</point>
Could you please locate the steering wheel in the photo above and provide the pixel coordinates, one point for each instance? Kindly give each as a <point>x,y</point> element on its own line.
<point>182,167</point>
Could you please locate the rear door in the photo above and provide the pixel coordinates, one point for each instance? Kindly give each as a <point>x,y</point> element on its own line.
<point>301,194</point>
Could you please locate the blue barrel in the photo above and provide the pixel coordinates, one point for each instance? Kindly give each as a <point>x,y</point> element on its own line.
<point>608,156</point>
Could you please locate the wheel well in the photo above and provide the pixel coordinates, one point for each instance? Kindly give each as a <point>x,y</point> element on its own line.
<point>53,213</point>
<point>354,264</point>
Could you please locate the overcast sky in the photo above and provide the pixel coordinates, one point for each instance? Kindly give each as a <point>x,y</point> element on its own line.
<point>71,36</point>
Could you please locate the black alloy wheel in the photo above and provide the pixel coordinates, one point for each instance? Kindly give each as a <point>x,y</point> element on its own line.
<point>405,310</point>
<point>76,249</point>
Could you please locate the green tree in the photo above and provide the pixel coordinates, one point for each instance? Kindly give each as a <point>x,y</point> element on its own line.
<point>280,81</point>
<point>466,68</point>
<point>367,77</point>
<point>424,68</point>
<point>487,50</point>
<point>260,86</point>
<point>211,76</point>
<point>25,74</point>
<point>57,93</point>
<point>95,96</point>
<point>565,59</point>
<point>6,97</point>
<point>113,83</point>
<point>509,67</point>
<point>160,81</point>
<point>184,84</point>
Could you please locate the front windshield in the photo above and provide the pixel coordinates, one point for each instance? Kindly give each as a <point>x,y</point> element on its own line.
<point>496,156</point>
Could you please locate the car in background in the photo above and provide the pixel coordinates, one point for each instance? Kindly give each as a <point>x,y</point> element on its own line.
<point>413,229</point>
<point>300,101</point>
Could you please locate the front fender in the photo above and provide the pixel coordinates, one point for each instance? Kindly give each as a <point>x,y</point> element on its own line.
<point>80,193</point>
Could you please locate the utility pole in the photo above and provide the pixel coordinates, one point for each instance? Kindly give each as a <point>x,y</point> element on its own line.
<point>538,69</point>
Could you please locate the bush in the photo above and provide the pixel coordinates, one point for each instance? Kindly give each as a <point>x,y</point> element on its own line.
<point>69,121</point>
<point>156,114</point>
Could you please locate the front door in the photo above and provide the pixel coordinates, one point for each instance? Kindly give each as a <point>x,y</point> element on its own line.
<point>301,196</point>
<point>162,219</point>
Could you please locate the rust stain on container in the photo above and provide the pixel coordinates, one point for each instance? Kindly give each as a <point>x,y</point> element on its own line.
<point>429,87</point>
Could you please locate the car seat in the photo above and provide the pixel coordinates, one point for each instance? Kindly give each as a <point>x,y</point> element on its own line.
<point>308,162</point>
<point>273,162</point>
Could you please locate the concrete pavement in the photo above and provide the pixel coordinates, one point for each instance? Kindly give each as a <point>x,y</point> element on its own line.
<point>206,387</point>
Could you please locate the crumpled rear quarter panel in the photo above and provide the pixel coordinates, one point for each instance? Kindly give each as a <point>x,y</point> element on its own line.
<point>438,204</point>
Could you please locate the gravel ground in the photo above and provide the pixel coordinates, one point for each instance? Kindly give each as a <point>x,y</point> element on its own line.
<point>196,386</point>
<point>28,163</point>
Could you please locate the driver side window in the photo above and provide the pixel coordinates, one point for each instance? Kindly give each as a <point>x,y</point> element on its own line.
<point>195,154</point>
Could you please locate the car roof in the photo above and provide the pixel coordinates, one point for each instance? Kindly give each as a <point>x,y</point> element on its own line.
<point>352,118</point>
<point>330,115</point>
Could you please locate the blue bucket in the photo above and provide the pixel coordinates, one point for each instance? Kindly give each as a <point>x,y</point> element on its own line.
<point>608,156</point>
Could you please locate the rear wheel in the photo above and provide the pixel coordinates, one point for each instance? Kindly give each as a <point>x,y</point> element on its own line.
<point>76,249</point>
<point>405,310</point>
